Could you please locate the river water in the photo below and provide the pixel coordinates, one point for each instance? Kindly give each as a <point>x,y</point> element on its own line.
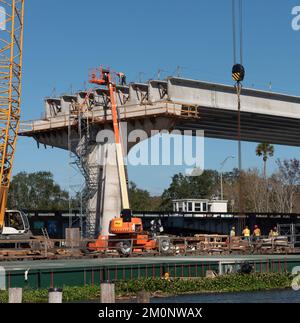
<point>277,296</point>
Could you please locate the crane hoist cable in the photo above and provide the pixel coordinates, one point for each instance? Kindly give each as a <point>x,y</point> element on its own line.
<point>238,75</point>
<point>238,70</point>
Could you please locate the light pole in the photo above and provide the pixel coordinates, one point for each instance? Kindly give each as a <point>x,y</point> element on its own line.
<point>221,169</point>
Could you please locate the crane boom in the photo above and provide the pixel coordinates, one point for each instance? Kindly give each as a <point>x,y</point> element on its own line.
<point>106,79</point>
<point>11,55</point>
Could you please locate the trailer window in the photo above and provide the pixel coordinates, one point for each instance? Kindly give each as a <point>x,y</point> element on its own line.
<point>197,207</point>
<point>204,207</point>
<point>190,206</point>
<point>180,207</point>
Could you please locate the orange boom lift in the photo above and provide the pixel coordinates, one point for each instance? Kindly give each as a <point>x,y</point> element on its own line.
<point>126,232</point>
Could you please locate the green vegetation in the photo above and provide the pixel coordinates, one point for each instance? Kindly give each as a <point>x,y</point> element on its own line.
<point>265,151</point>
<point>279,193</point>
<point>141,200</point>
<point>160,287</point>
<point>37,191</point>
<point>199,187</point>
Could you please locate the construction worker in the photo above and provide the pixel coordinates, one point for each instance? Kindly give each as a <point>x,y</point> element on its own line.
<point>275,232</point>
<point>256,233</point>
<point>232,232</point>
<point>246,234</point>
<point>122,78</point>
<point>105,76</point>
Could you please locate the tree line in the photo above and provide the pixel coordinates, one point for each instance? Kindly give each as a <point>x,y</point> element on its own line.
<point>38,191</point>
<point>279,192</point>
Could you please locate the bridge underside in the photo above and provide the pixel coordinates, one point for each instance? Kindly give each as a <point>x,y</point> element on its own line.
<point>254,128</point>
<point>216,124</point>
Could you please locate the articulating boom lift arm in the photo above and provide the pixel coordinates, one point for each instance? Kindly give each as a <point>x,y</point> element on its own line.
<point>127,232</point>
<point>106,79</point>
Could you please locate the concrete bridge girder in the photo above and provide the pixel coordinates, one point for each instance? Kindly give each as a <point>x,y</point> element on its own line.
<point>266,116</point>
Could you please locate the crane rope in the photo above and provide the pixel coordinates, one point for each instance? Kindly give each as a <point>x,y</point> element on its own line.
<point>241,30</point>
<point>237,30</point>
<point>234,32</point>
<point>238,74</point>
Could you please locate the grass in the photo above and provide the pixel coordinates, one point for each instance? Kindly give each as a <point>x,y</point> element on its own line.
<point>228,283</point>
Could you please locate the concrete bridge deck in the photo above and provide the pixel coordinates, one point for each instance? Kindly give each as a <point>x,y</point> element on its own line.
<point>266,116</point>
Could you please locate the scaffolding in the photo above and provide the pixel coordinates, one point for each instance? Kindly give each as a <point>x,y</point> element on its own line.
<point>80,143</point>
<point>75,190</point>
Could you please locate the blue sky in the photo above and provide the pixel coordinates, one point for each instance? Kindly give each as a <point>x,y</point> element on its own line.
<point>64,38</point>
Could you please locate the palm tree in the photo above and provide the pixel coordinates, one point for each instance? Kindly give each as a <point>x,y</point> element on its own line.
<point>265,150</point>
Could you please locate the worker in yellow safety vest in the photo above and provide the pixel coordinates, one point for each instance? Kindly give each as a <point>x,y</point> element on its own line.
<point>256,233</point>
<point>273,233</point>
<point>246,233</point>
<point>232,232</point>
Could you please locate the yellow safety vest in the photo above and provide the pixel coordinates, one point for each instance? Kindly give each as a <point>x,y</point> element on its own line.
<point>246,233</point>
<point>257,232</point>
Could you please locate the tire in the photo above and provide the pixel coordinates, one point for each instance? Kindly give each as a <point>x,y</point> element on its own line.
<point>124,248</point>
<point>164,245</point>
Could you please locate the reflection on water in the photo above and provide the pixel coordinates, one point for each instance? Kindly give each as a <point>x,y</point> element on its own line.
<point>278,296</point>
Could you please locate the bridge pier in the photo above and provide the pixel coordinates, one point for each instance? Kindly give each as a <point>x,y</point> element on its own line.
<point>102,195</point>
<point>109,201</point>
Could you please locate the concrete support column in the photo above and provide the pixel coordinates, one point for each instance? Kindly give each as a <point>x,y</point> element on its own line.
<point>104,202</point>
<point>112,202</point>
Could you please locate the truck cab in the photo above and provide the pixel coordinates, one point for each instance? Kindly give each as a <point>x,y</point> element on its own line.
<point>16,225</point>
